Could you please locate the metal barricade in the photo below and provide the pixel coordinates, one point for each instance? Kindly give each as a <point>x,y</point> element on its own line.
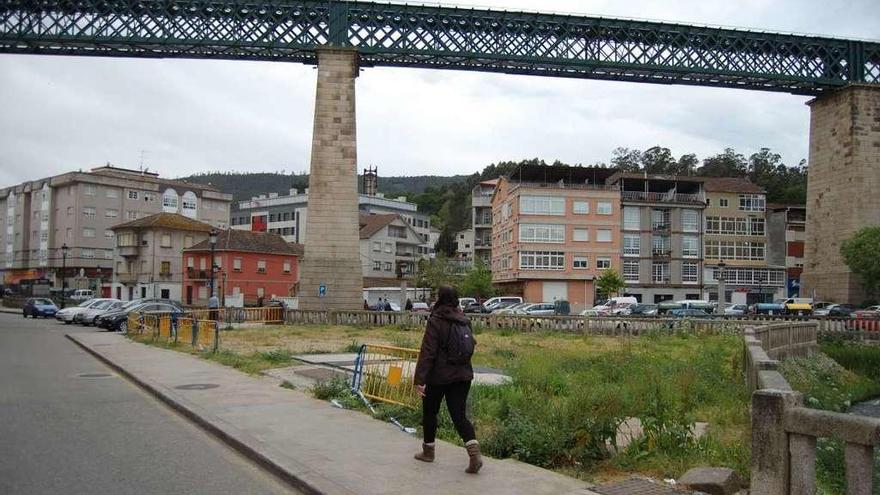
<point>165,328</point>
<point>207,334</point>
<point>386,373</point>
<point>184,332</point>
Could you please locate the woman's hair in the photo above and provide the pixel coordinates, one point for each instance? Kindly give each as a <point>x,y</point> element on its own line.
<point>447,296</point>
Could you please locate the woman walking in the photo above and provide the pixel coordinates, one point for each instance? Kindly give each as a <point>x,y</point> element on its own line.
<point>444,370</point>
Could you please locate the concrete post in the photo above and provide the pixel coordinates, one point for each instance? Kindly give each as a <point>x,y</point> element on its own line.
<point>332,255</point>
<point>842,191</point>
<point>770,445</point>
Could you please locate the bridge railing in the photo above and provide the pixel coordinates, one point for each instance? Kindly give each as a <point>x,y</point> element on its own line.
<point>784,432</point>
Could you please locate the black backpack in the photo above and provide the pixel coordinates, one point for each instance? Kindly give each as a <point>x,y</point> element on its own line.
<point>460,343</point>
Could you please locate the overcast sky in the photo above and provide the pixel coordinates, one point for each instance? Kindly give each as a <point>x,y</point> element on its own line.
<point>64,113</point>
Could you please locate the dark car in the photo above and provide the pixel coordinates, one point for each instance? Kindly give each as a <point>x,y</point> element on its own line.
<point>687,313</point>
<point>841,310</point>
<point>113,320</point>
<point>473,307</point>
<point>39,306</point>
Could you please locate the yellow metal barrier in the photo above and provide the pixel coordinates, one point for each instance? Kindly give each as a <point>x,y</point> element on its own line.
<point>165,328</point>
<point>385,373</point>
<point>184,333</point>
<point>270,314</point>
<point>206,334</point>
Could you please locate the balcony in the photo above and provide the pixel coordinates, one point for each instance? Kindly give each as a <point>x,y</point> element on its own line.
<point>127,251</point>
<point>127,278</point>
<point>193,274</point>
<point>404,254</point>
<point>661,252</point>
<point>660,197</point>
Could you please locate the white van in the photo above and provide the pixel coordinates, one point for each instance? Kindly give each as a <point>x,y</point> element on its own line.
<point>613,306</point>
<point>82,295</point>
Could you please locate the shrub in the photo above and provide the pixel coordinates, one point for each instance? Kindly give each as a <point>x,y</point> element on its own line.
<point>335,388</point>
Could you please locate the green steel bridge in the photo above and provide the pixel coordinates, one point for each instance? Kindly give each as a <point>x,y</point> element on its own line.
<point>437,37</point>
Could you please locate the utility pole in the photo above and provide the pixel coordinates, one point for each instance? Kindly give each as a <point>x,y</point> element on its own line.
<point>64,250</point>
<point>721,288</point>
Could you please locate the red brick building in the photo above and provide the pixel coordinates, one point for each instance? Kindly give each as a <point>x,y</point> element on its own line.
<point>248,265</point>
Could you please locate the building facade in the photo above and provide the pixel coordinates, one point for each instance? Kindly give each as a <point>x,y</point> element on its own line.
<point>464,245</point>
<point>481,220</point>
<point>785,243</point>
<point>735,233</point>
<point>252,267</point>
<point>551,240</point>
<point>388,249</point>
<point>286,215</point>
<point>79,210</point>
<point>148,256</point>
<point>661,236</point>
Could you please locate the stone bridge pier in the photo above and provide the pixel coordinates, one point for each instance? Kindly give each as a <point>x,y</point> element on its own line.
<point>332,248</point>
<point>843,192</point>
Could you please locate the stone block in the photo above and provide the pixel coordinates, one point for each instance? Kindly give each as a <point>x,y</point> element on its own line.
<point>714,481</point>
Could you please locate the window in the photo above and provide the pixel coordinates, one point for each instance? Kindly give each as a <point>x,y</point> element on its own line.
<point>756,226</point>
<point>387,266</point>
<point>734,250</point>
<point>690,220</point>
<point>169,200</point>
<point>603,208</point>
<point>87,253</point>
<point>387,247</point>
<point>659,219</point>
<point>541,205</point>
<point>581,235</point>
<point>581,207</point>
<point>203,263</point>
<point>660,245</point>
<point>261,266</point>
<point>722,203</point>
<point>286,266</point>
<point>535,232</point>
<point>149,196</point>
<point>131,215</point>
<point>69,211</point>
<point>203,292</point>
<point>581,263</point>
<point>261,291</point>
<point>187,241</point>
<point>735,226</point>
<point>631,218</point>
<point>190,262</point>
<point>397,231</point>
<point>165,268</point>
<point>111,193</point>
<point>166,241</point>
<point>89,212</point>
<point>603,262</point>
<point>751,202</point>
<point>632,245</point>
<point>690,246</point>
<point>111,213</point>
<point>660,272</point>
<point>90,190</point>
<point>541,260</point>
<point>377,265</point>
<point>603,235</point>
<point>108,254</point>
<point>689,273</point>
<point>132,194</point>
<point>631,271</point>
<point>236,264</point>
<point>108,234</point>
<point>44,236</point>
<point>377,246</point>
<point>218,261</point>
<point>88,232</point>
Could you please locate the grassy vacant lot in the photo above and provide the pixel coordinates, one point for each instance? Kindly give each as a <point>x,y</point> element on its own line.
<point>568,395</point>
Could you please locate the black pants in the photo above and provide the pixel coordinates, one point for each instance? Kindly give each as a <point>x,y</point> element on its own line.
<point>456,401</point>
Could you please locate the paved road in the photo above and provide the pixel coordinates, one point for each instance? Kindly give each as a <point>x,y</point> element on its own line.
<point>62,433</point>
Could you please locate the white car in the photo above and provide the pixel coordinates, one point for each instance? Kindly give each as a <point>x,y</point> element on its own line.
<point>88,316</point>
<point>736,309</point>
<point>68,314</point>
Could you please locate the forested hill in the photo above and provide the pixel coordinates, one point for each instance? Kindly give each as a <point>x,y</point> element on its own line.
<point>245,185</point>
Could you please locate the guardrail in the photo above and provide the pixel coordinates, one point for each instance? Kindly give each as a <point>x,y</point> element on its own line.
<point>386,373</point>
<point>268,314</point>
<point>202,334</point>
<point>784,432</point>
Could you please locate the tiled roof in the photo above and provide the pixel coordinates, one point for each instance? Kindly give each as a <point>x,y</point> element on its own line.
<point>252,242</point>
<point>370,224</point>
<point>171,221</point>
<point>731,184</point>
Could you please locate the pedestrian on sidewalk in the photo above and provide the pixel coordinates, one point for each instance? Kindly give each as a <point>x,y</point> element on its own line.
<point>444,370</point>
<point>213,306</point>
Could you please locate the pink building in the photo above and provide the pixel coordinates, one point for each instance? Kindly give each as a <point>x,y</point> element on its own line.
<point>554,232</point>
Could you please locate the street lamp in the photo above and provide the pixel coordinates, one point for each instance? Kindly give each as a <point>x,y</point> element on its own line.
<point>212,238</point>
<point>64,250</point>
<point>721,288</point>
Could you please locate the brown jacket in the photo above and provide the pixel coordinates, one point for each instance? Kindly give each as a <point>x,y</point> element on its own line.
<point>432,368</point>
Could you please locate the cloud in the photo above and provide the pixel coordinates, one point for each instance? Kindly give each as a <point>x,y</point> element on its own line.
<point>186,116</point>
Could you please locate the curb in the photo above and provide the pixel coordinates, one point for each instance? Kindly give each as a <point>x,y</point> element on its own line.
<point>268,458</point>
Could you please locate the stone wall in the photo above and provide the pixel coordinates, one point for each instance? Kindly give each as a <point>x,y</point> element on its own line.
<point>844,178</point>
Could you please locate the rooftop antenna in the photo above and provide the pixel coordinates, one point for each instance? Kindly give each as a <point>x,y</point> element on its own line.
<point>143,154</point>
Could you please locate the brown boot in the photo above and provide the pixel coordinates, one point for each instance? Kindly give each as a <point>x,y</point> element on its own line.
<point>476,460</point>
<point>427,453</point>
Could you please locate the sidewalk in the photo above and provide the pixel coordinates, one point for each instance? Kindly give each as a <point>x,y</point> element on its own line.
<point>318,448</point>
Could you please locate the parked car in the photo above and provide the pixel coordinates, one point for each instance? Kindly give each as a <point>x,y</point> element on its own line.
<point>643,310</point>
<point>39,306</point>
<point>736,309</point>
<point>775,308</point>
<point>492,303</point>
<point>667,306</point>
<point>687,313</point>
<point>118,320</point>
<point>707,306</point>
<point>801,306</point>
<point>841,310</point>
<point>82,295</point>
<point>421,307</point>
<point>512,309</point>
<point>538,309</point>
<point>473,307</point>
<point>104,320</point>
<point>616,305</point>
<point>463,302</point>
<point>821,308</point>
<point>88,316</point>
<point>68,314</point>
<point>499,306</point>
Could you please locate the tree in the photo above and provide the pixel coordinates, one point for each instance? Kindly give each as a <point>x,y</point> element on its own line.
<point>658,160</point>
<point>610,283</point>
<point>861,253</point>
<point>626,160</point>
<point>435,272</point>
<point>477,282</point>
<point>727,164</point>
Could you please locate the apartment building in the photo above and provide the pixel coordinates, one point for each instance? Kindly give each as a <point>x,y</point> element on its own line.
<point>249,268</point>
<point>554,229</point>
<point>148,261</point>
<point>285,215</point>
<point>80,209</point>
<point>786,225</point>
<point>464,245</point>
<point>735,233</point>
<point>388,249</point>
<point>661,236</point>
<point>481,220</point>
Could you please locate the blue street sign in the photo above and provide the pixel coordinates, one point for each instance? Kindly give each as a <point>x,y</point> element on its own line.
<point>322,290</point>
